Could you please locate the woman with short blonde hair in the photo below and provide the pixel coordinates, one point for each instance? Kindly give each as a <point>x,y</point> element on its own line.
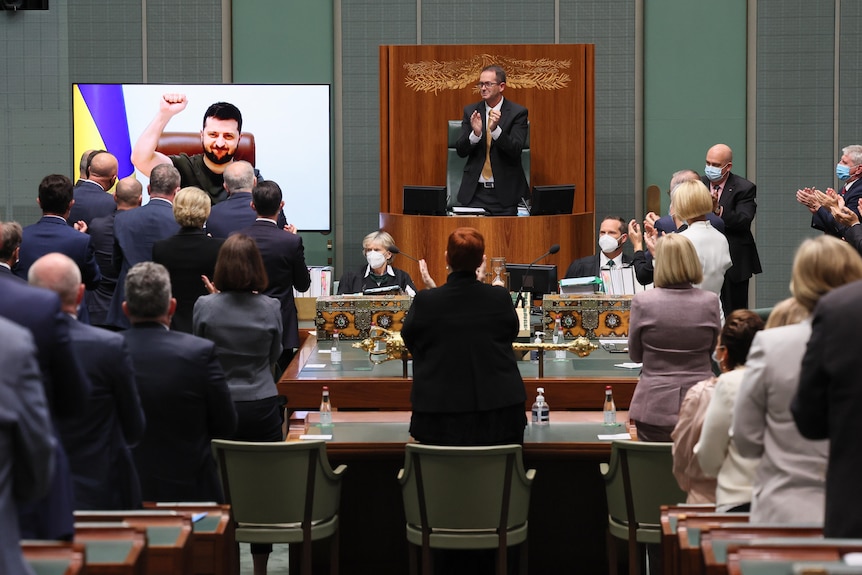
<point>676,262</point>
<point>192,207</point>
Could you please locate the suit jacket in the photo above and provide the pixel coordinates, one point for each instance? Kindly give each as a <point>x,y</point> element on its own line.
<point>510,183</point>
<point>827,405</point>
<point>91,202</point>
<point>66,389</point>
<point>187,403</point>
<point>97,438</point>
<point>52,234</point>
<point>823,220</point>
<point>589,266</point>
<point>666,225</point>
<point>460,335</point>
<point>135,232</point>
<point>788,486</point>
<point>98,301</point>
<point>853,235</point>
<point>673,331</point>
<point>26,438</point>
<point>234,214</point>
<point>738,210</point>
<point>187,255</point>
<point>8,273</point>
<point>284,259</point>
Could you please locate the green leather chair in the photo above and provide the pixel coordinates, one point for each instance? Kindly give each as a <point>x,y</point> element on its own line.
<point>308,489</point>
<point>465,498</point>
<point>455,164</point>
<point>638,481</point>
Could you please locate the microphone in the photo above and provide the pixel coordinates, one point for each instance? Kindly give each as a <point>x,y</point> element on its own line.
<point>395,250</point>
<point>527,280</point>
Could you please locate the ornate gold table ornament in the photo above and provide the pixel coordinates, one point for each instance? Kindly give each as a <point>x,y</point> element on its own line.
<point>383,345</point>
<point>580,346</point>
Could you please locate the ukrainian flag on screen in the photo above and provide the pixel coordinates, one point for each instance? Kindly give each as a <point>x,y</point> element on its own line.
<point>99,116</point>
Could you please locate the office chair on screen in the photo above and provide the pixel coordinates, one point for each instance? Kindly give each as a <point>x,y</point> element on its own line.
<point>175,143</point>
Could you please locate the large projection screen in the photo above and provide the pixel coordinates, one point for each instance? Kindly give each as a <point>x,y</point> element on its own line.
<point>291,126</point>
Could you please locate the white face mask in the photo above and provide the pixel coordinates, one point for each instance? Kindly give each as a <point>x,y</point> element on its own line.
<point>608,243</point>
<point>375,259</point>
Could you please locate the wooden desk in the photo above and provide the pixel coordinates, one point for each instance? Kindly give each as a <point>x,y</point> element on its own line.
<point>54,557</point>
<point>113,548</point>
<point>576,383</point>
<point>214,549</point>
<point>568,510</point>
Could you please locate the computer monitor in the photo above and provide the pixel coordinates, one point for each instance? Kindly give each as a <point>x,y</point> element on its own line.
<point>425,200</point>
<point>540,279</point>
<point>552,200</point>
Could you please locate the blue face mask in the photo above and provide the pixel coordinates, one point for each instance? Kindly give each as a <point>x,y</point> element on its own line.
<point>842,171</point>
<point>713,173</point>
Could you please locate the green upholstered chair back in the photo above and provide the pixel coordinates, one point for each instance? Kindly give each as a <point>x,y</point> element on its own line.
<point>465,498</point>
<point>455,164</point>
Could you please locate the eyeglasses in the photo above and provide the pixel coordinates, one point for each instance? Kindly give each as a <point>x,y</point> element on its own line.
<point>487,84</point>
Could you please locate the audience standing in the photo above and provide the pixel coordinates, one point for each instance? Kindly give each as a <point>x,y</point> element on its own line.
<point>92,199</point>
<point>235,212</point>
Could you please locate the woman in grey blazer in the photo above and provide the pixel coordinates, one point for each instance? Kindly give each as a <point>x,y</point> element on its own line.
<point>789,485</point>
<point>673,330</point>
<point>246,327</point>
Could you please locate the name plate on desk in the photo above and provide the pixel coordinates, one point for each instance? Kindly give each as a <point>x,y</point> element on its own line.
<point>592,316</point>
<point>353,315</point>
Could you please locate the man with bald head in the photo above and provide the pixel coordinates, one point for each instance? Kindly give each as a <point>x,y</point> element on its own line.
<point>97,438</point>
<point>127,196</point>
<point>92,199</point>
<point>734,201</point>
<point>235,213</point>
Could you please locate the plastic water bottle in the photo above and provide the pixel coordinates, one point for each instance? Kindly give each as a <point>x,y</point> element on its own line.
<point>541,411</point>
<point>610,410</point>
<point>325,409</point>
<point>335,351</point>
<point>558,337</point>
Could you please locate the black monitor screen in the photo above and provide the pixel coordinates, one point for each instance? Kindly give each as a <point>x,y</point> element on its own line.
<point>425,200</point>
<point>541,279</point>
<point>552,200</point>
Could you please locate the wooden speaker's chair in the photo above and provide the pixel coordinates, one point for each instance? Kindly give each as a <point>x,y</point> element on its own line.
<point>282,493</point>
<point>175,143</point>
<point>638,481</point>
<point>455,164</point>
<point>465,498</point>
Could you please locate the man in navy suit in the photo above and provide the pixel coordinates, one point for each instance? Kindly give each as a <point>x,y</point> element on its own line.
<point>127,196</point>
<point>183,391</point>
<point>66,389</point>
<point>10,246</point>
<point>735,203</point>
<point>236,213</point>
<point>97,438</point>
<point>92,199</point>
<point>135,232</point>
<point>26,438</point>
<point>849,172</point>
<point>612,237</point>
<point>493,134</point>
<point>284,259</point>
<point>52,234</point>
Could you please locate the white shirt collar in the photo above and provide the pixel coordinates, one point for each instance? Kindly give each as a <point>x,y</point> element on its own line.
<point>389,271</point>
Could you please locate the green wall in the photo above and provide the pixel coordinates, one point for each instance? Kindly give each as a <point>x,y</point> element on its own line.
<point>290,42</point>
<point>694,85</point>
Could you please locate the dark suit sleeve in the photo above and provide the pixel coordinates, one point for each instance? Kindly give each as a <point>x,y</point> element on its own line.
<point>510,142</point>
<point>822,220</point>
<point>810,406</point>
<point>128,402</point>
<point>116,254</point>
<point>70,385</point>
<point>301,275</point>
<point>853,235</point>
<point>221,413</point>
<point>644,270</point>
<point>738,216</point>
<point>92,275</point>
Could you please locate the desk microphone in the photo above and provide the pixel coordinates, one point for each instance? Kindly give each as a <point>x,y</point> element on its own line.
<point>527,281</point>
<point>395,250</point>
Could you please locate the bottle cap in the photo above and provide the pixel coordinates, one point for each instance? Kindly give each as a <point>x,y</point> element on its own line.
<point>607,388</point>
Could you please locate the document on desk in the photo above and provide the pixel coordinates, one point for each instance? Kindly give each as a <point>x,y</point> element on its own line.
<point>612,436</point>
<point>629,365</point>
<point>313,436</point>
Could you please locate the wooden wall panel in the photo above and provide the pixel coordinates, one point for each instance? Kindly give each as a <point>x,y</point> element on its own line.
<point>424,86</point>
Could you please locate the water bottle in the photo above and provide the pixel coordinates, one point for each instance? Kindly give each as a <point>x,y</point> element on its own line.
<point>541,410</point>
<point>335,352</point>
<point>325,409</point>
<point>558,337</point>
<point>610,410</point>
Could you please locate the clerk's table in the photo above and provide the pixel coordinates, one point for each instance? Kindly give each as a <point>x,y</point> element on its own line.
<point>572,383</point>
<point>568,513</point>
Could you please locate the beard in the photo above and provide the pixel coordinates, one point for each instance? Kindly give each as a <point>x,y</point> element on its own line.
<point>219,160</point>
